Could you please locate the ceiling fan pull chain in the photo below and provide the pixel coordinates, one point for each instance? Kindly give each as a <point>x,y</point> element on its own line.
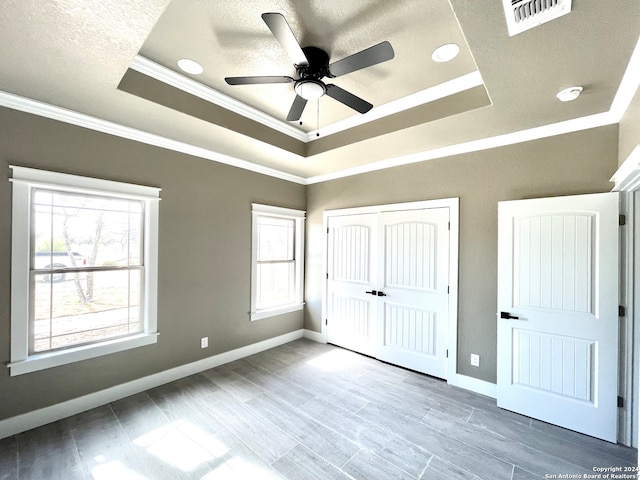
<point>318,119</point>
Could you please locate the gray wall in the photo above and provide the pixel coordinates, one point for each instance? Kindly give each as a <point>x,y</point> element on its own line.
<point>204,253</point>
<point>629,129</point>
<point>565,165</point>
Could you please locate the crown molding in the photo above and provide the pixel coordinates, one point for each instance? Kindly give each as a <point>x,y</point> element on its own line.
<point>451,87</point>
<point>627,177</point>
<point>551,130</point>
<point>71,117</point>
<point>177,80</point>
<point>61,114</point>
<point>154,70</point>
<point>628,86</point>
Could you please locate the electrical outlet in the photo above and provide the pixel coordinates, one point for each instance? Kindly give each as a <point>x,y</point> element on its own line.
<point>204,342</point>
<point>475,360</point>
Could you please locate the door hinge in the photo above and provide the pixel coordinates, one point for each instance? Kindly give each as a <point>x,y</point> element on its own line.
<point>326,321</point>
<point>327,230</point>
<point>327,276</point>
<point>622,220</point>
<point>620,402</point>
<point>622,312</point>
<point>447,353</point>
<point>447,289</point>
<point>448,225</point>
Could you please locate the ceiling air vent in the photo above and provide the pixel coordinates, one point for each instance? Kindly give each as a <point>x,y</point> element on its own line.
<point>525,14</point>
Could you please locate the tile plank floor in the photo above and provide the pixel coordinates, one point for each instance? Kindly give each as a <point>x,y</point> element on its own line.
<point>304,411</point>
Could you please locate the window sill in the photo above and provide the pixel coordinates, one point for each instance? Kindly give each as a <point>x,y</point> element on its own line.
<point>42,361</point>
<point>272,312</point>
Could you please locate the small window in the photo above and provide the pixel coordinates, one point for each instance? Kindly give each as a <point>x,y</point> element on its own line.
<point>277,260</point>
<point>83,268</point>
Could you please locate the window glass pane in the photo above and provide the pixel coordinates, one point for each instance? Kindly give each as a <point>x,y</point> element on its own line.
<point>85,307</point>
<point>275,238</point>
<point>72,230</point>
<point>276,284</point>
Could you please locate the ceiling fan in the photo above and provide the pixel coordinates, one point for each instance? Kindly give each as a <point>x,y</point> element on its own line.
<point>312,65</point>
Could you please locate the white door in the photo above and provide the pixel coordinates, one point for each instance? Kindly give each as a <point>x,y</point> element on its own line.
<point>413,311</point>
<point>351,269</point>
<point>387,286</point>
<point>558,311</point>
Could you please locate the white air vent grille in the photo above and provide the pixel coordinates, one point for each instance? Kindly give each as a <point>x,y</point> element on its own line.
<point>525,14</point>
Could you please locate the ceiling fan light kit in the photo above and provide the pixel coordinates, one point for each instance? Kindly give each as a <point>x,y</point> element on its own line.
<point>310,89</point>
<point>312,65</point>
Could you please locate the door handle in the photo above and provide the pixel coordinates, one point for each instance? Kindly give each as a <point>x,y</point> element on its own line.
<point>377,293</point>
<point>508,316</point>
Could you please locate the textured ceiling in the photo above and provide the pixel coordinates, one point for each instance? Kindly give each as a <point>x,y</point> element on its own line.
<point>76,54</point>
<point>230,39</point>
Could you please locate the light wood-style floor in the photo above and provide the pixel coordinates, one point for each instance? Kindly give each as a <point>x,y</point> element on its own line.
<point>304,411</point>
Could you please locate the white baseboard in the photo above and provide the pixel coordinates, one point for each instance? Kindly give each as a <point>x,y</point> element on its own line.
<point>43,416</point>
<point>315,336</point>
<point>475,385</point>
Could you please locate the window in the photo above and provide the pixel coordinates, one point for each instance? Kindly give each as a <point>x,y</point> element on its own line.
<point>84,255</point>
<point>277,260</point>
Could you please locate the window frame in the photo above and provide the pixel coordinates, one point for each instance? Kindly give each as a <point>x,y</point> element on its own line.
<point>24,181</point>
<point>299,216</point>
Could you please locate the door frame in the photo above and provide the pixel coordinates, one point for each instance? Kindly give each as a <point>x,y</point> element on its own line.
<point>627,181</point>
<point>454,229</point>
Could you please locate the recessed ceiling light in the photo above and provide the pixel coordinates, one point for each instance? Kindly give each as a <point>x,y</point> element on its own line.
<point>569,94</point>
<point>190,66</point>
<point>445,53</point>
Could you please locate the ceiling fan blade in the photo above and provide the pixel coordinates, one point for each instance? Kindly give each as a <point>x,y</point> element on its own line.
<point>296,109</point>
<point>257,80</point>
<point>282,31</point>
<point>371,56</point>
<point>349,99</point>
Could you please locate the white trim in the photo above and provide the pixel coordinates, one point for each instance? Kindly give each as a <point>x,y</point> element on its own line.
<point>627,385</point>
<point>298,216</point>
<point>454,246</point>
<point>457,85</point>
<point>36,418</point>
<point>33,363</point>
<point>628,86</point>
<point>627,177</point>
<point>64,115</point>
<point>626,90</point>
<point>278,211</point>
<point>474,384</point>
<point>24,180</point>
<point>186,84</point>
<point>633,302</point>
<point>627,181</point>
<point>453,204</point>
<point>551,130</point>
<point>48,179</point>
<point>272,312</point>
<point>315,336</point>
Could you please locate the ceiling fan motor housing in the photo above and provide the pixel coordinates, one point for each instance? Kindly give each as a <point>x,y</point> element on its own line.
<point>318,67</point>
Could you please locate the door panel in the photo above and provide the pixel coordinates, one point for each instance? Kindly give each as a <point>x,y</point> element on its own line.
<point>351,273</point>
<point>402,256</point>
<point>410,329</point>
<point>414,310</point>
<point>558,276</point>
